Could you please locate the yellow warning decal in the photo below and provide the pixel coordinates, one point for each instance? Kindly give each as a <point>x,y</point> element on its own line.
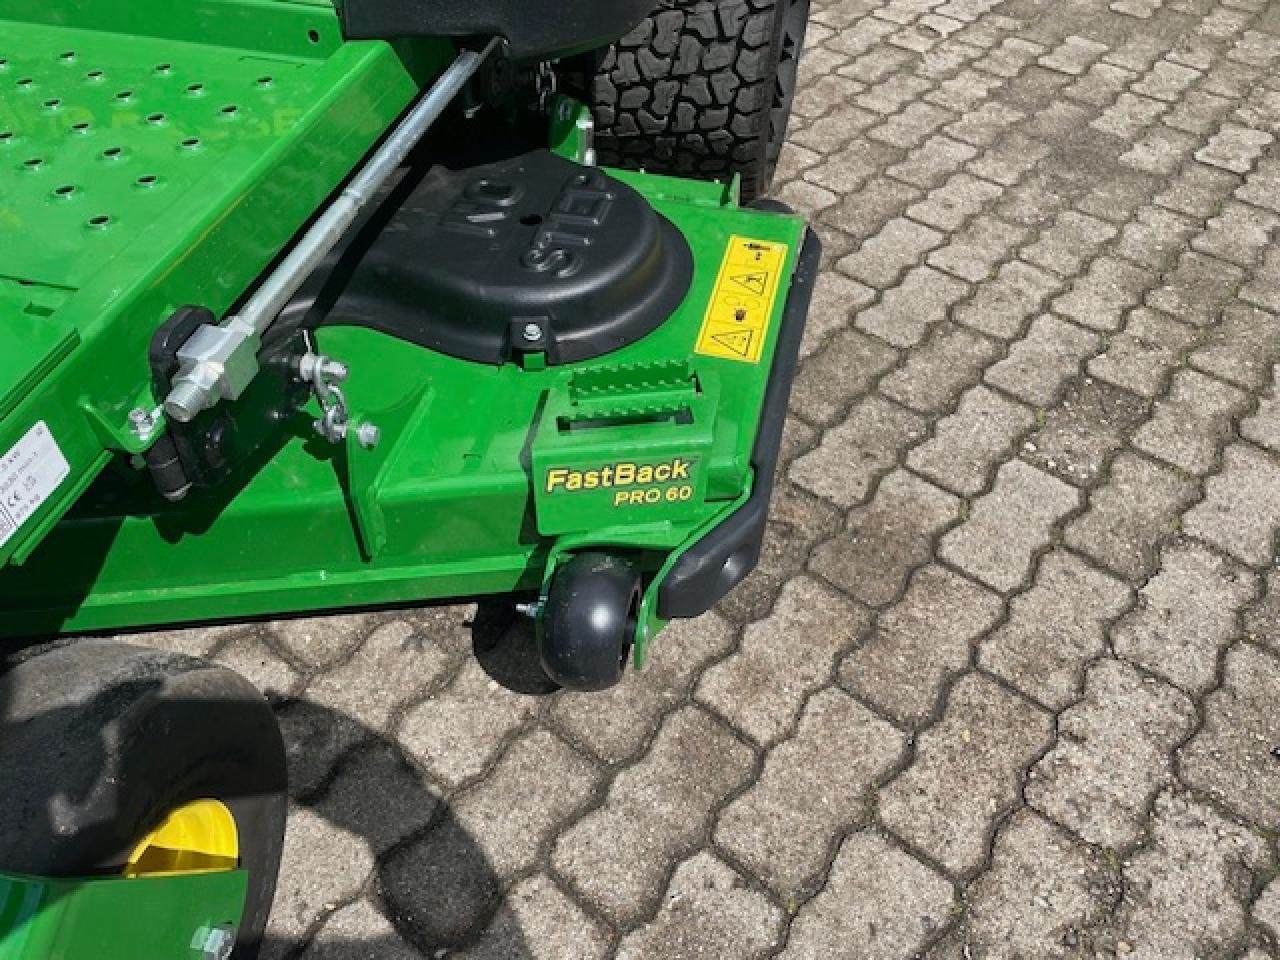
<point>737,322</point>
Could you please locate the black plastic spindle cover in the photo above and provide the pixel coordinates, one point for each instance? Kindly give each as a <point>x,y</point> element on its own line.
<point>528,254</point>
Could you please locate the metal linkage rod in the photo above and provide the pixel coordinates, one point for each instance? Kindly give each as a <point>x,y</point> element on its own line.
<point>219,362</point>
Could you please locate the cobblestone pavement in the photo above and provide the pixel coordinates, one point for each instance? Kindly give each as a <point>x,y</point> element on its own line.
<point>1006,683</point>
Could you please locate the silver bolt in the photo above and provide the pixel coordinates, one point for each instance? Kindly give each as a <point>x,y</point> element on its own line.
<point>532,332</point>
<point>141,423</point>
<point>218,944</point>
<point>368,435</point>
<point>186,401</point>
<point>530,610</point>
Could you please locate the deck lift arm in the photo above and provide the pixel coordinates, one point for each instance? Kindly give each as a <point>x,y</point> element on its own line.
<point>270,341</point>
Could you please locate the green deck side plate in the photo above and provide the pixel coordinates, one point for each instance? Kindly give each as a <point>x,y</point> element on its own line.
<point>154,155</point>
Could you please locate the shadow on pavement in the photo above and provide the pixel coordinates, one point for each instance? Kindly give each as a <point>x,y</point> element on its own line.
<point>350,784</point>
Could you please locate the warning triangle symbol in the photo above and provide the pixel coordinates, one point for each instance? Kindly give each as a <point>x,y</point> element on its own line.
<point>737,342</point>
<point>755,282</point>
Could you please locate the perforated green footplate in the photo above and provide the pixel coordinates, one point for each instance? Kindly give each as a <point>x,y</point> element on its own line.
<point>155,154</point>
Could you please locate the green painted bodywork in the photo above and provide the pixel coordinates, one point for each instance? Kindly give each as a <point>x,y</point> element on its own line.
<point>122,110</point>
<point>455,500</point>
<point>153,918</point>
<point>154,155</point>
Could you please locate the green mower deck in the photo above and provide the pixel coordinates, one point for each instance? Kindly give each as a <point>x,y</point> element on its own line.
<point>152,156</point>
<point>166,165</point>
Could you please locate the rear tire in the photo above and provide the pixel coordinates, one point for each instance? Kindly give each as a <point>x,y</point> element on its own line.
<point>702,88</point>
<point>101,741</point>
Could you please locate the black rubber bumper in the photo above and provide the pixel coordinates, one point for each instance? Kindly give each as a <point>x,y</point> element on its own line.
<point>723,557</point>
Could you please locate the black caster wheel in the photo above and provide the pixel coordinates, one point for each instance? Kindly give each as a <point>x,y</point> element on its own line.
<point>589,621</point>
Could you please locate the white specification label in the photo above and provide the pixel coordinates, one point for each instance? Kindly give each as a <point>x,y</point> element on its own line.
<point>31,470</point>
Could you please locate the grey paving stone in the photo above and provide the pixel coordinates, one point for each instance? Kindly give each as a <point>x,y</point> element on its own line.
<point>919,644</point>
<point>248,654</point>
<point>974,252</point>
<point>865,213</point>
<point>853,166</point>
<point>1161,151</point>
<point>1266,910</point>
<point>879,904</point>
<point>614,725</point>
<point>321,641</point>
<point>835,300</point>
<point>455,733</point>
<point>855,454</point>
<point>1263,287</point>
<point>1129,116</point>
<point>1009,159</point>
<point>617,856</point>
<point>841,371</point>
<point>1074,56</point>
<point>1009,525</point>
<point>905,315</point>
<point>813,788</point>
<point>193,641</point>
<point>1142,356</point>
<point>1197,290</point>
<point>1186,615</point>
<point>537,921</point>
<point>402,803</point>
<point>1002,306</point>
<point>1235,148</point>
<point>1262,621</point>
<point>1113,755</point>
<point>884,258</point>
<point>886,539</point>
<point>800,521</point>
<point>708,911</point>
<point>1233,757</point>
<point>953,204</point>
<point>1199,191</point>
<point>1189,426</point>
<point>358,929</point>
<point>1261,185</point>
<point>1078,436</point>
<point>537,785</point>
<point>1239,233</point>
<point>984,124</point>
<point>970,443</point>
<point>1263,427</point>
<point>1241,348</point>
<point>933,161</point>
<point>1184,891</point>
<point>782,659</point>
<point>1100,85</point>
<point>1155,236</point>
<point>1129,514</point>
<point>1241,509</point>
<point>394,666</point>
<point>1055,629</point>
<point>323,867</point>
<point>940,369</point>
<point>1066,246</point>
<point>1101,298</point>
<point>908,128</point>
<point>966,773</point>
<point>1041,888</point>
<point>828,134</point>
<point>1039,365</point>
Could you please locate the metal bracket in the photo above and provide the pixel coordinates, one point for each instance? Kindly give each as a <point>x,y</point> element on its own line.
<point>219,362</point>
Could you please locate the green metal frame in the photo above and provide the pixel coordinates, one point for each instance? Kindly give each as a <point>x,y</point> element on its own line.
<point>154,155</point>
<point>453,502</point>
<point>148,918</point>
